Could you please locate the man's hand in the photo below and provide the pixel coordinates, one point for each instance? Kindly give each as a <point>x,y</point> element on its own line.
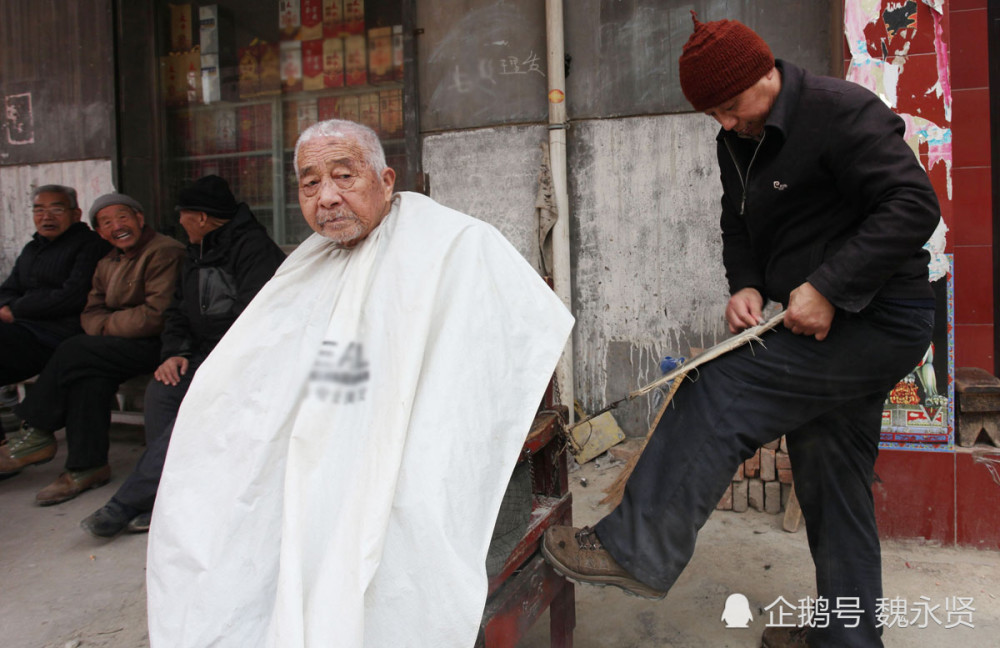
<point>170,372</point>
<point>809,312</point>
<point>6,315</point>
<point>744,310</point>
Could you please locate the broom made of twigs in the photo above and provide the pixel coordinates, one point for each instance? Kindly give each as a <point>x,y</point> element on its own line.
<point>615,491</point>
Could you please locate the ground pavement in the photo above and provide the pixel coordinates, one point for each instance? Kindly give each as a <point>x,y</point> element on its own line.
<point>60,588</point>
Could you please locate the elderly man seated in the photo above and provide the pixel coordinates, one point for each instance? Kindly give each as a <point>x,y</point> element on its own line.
<point>337,465</point>
<point>41,300</point>
<point>123,319</point>
<point>229,258</point>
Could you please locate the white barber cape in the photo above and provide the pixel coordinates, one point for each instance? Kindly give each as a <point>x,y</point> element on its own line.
<point>337,465</point>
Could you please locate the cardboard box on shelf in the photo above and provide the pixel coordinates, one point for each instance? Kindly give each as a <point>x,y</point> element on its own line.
<point>289,18</point>
<point>208,29</point>
<point>312,65</point>
<point>249,72</point>
<point>333,62</point>
<point>397,52</point>
<point>355,60</point>
<point>368,105</point>
<point>181,29</point>
<point>291,66</point>
<point>333,18</point>
<point>270,68</point>
<point>391,113</point>
<point>211,81</point>
<point>312,20</point>
<point>380,55</point>
<point>354,16</point>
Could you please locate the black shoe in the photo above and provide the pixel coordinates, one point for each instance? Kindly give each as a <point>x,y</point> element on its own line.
<point>140,523</point>
<point>108,521</point>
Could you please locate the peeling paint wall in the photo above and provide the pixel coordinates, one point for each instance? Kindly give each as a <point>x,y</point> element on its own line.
<point>648,278</point>
<point>885,40</point>
<point>90,178</point>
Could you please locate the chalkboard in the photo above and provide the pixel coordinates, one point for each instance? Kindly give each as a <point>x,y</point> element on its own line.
<point>623,54</point>
<point>56,81</point>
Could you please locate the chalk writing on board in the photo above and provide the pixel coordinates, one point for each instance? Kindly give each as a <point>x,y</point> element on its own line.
<point>511,65</point>
<point>18,120</point>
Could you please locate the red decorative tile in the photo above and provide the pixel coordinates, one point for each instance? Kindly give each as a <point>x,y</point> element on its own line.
<point>972,222</point>
<point>914,93</point>
<point>974,346</point>
<point>961,5</point>
<point>914,495</point>
<point>970,50</point>
<point>977,496</point>
<point>973,284</point>
<point>970,129</point>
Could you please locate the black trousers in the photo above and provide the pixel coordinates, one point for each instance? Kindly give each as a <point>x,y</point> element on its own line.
<point>159,412</point>
<point>76,388</point>
<point>827,397</point>
<point>22,355</point>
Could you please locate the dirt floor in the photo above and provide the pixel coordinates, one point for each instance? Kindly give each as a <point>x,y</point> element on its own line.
<point>61,588</point>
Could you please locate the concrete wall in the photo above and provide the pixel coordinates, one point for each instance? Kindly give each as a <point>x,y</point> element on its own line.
<point>648,278</point>
<point>90,178</point>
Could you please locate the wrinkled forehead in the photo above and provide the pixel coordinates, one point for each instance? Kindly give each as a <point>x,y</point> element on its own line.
<point>51,198</point>
<point>323,153</point>
<point>115,211</point>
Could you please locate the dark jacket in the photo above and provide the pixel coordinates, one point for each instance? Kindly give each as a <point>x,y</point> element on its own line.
<point>48,287</point>
<point>132,290</point>
<point>220,276</point>
<point>834,196</point>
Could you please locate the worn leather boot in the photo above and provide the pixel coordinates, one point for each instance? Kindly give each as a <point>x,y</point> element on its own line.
<point>71,483</point>
<point>775,637</point>
<point>578,555</point>
<point>26,447</point>
<point>109,520</point>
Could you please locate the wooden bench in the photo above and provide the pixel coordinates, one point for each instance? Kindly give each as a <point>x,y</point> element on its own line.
<point>978,394</point>
<point>526,585</point>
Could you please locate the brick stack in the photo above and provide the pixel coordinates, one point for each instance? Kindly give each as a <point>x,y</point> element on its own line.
<point>763,481</point>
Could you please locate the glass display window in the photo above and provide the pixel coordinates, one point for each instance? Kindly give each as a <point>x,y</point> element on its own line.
<point>239,80</point>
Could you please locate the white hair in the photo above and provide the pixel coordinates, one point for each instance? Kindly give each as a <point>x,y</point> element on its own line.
<point>366,138</point>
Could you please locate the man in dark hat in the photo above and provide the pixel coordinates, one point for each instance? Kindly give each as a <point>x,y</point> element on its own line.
<point>229,258</point>
<point>122,320</point>
<point>825,210</point>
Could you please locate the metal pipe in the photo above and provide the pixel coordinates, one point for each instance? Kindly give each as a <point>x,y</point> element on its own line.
<point>561,280</point>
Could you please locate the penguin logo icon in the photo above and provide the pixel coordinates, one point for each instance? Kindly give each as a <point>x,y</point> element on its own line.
<point>737,613</point>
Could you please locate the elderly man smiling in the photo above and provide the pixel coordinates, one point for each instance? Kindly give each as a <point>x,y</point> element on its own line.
<point>132,287</point>
<point>339,460</point>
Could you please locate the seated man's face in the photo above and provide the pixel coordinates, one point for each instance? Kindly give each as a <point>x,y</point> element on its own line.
<point>341,197</point>
<point>52,214</point>
<point>120,226</point>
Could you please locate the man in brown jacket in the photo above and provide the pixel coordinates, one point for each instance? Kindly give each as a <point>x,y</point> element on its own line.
<point>132,287</point>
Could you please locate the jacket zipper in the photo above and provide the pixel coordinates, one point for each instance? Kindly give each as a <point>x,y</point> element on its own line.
<point>744,181</point>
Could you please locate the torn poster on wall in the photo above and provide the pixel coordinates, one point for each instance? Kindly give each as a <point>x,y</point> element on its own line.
<point>18,120</point>
<point>880,35</point>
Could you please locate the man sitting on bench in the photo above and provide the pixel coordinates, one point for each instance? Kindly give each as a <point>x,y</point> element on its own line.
<point>123,319</point>
<point>40,304</point>
<point>229,258</point>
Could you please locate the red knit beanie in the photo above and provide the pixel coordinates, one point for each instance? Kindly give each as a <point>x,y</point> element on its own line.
<point>721,60</point>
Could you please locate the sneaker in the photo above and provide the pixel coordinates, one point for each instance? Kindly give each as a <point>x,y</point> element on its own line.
<point>578,554</point>
<point>108,521</point>
<point>140,523</point>
<point>71,483</point>
<point>29,446</point>
<point>784,638</point>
